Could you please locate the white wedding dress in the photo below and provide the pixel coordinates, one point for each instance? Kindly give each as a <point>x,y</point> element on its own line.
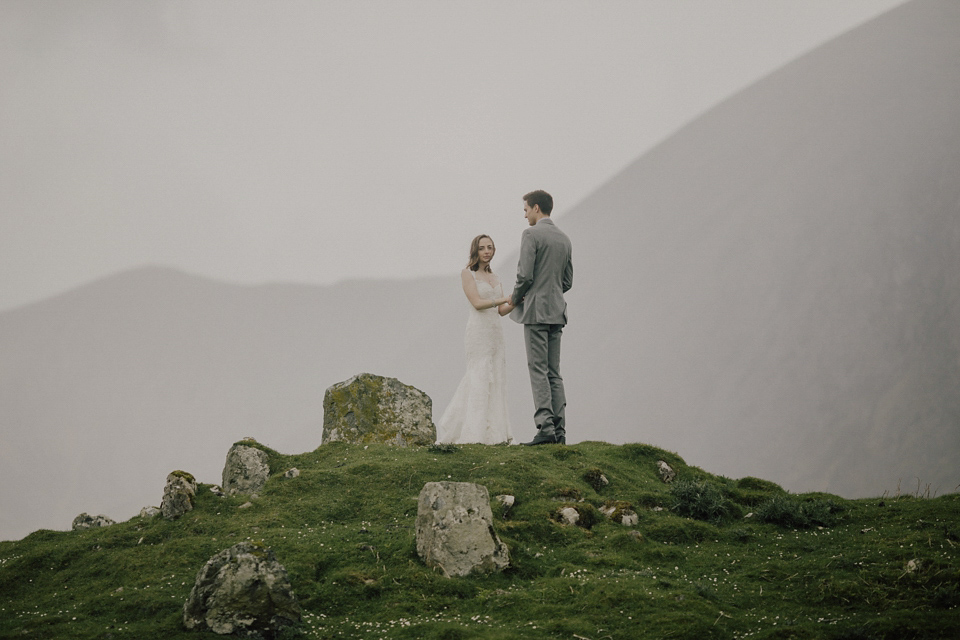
<point>478,410</point>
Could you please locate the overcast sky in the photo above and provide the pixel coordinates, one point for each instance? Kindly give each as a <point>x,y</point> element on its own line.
<point>327,140</point>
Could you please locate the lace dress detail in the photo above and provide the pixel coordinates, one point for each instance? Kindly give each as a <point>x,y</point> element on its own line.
<point>478,410</point>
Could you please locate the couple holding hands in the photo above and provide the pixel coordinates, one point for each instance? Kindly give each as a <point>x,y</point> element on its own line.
<point>478,410</point>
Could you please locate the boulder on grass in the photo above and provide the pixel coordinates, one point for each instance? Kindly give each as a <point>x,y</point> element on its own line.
<point>369,409</point>
<point>455,530</point>
<point>242,590</point>
<point>179,495</point>
<point>246,470</point>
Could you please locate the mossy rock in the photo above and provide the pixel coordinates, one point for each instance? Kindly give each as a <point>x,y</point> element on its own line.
<point>369,409</point>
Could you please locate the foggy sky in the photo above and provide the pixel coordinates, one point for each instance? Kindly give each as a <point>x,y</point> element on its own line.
<point>319,141</point>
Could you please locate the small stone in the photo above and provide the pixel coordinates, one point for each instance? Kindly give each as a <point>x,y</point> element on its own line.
<point>667,474</point>
<point>596,479</point>
<point>149,512</point>
<point>86,521</point>
<point>569,515</point>
<point>506,504</point>
<point>292,473</point>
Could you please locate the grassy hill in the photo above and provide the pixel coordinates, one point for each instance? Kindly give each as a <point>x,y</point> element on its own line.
<point>802,566</point>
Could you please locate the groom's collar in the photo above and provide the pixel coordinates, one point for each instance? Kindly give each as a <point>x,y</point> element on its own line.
<point>545,219</point>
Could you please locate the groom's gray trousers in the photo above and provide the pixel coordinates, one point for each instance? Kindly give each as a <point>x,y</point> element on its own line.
<point>543,361</point>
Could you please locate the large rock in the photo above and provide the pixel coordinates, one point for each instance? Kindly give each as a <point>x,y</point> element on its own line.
<point>455,530</point>
<point>242,590</point>
<point>86,521</point>
<point>368,408</point>
<point>246,470</point>
<point>179,495</point>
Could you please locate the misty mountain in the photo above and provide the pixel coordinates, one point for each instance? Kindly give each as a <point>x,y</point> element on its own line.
<point>790,270</point>
<point>107,389</point>
<point>773,291</point>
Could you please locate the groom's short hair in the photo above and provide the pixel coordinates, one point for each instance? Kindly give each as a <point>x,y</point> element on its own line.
<point>540,198</point>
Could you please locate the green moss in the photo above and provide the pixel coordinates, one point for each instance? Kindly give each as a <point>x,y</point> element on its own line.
<point>186,476</point>
<point>564,452</point>
<point>568,493</point>
<point>363,395</point>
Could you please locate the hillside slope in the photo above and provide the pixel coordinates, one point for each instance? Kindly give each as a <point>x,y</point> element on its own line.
<point>695,566</point>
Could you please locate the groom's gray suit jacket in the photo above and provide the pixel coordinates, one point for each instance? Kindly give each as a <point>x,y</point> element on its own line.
<point>544,274</point>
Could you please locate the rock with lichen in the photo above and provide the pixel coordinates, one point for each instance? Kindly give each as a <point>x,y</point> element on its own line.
<point>179,495</point>
<point>455,530</point>
<point>86,521</point>
<point>242,590</point>
<point>246,469</point>
<point>369,409</point>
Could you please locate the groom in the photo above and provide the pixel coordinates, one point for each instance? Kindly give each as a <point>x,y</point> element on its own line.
<point>544,274</point>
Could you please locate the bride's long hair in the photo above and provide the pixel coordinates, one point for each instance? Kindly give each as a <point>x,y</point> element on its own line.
<point>474,263</point>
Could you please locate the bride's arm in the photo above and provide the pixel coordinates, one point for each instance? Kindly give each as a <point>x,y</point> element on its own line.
<point>470,289</point>
<point>507,306</point>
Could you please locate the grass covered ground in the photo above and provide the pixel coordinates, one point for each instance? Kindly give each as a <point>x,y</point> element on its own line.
<point>802,566</point>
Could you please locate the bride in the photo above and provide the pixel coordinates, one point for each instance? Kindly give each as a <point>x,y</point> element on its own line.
<point>478,410</point>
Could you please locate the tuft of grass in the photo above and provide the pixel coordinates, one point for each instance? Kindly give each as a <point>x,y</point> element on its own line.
<point>812,566</point>
<point>443,447</point>
<point>701,500</point>
<point>787,511</point>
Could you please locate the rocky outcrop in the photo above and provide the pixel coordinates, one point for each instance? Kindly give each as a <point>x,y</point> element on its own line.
<point>179,495</point>
<point>372,409</point>
<point>86,521</point>
<point>455,530</point>
<point>242,590</point>
<point>246,469</point>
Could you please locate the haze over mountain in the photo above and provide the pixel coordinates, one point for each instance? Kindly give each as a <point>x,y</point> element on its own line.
<point>773,291</point>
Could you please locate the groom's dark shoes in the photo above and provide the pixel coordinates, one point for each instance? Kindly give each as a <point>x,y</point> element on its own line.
<point>543,438</point>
